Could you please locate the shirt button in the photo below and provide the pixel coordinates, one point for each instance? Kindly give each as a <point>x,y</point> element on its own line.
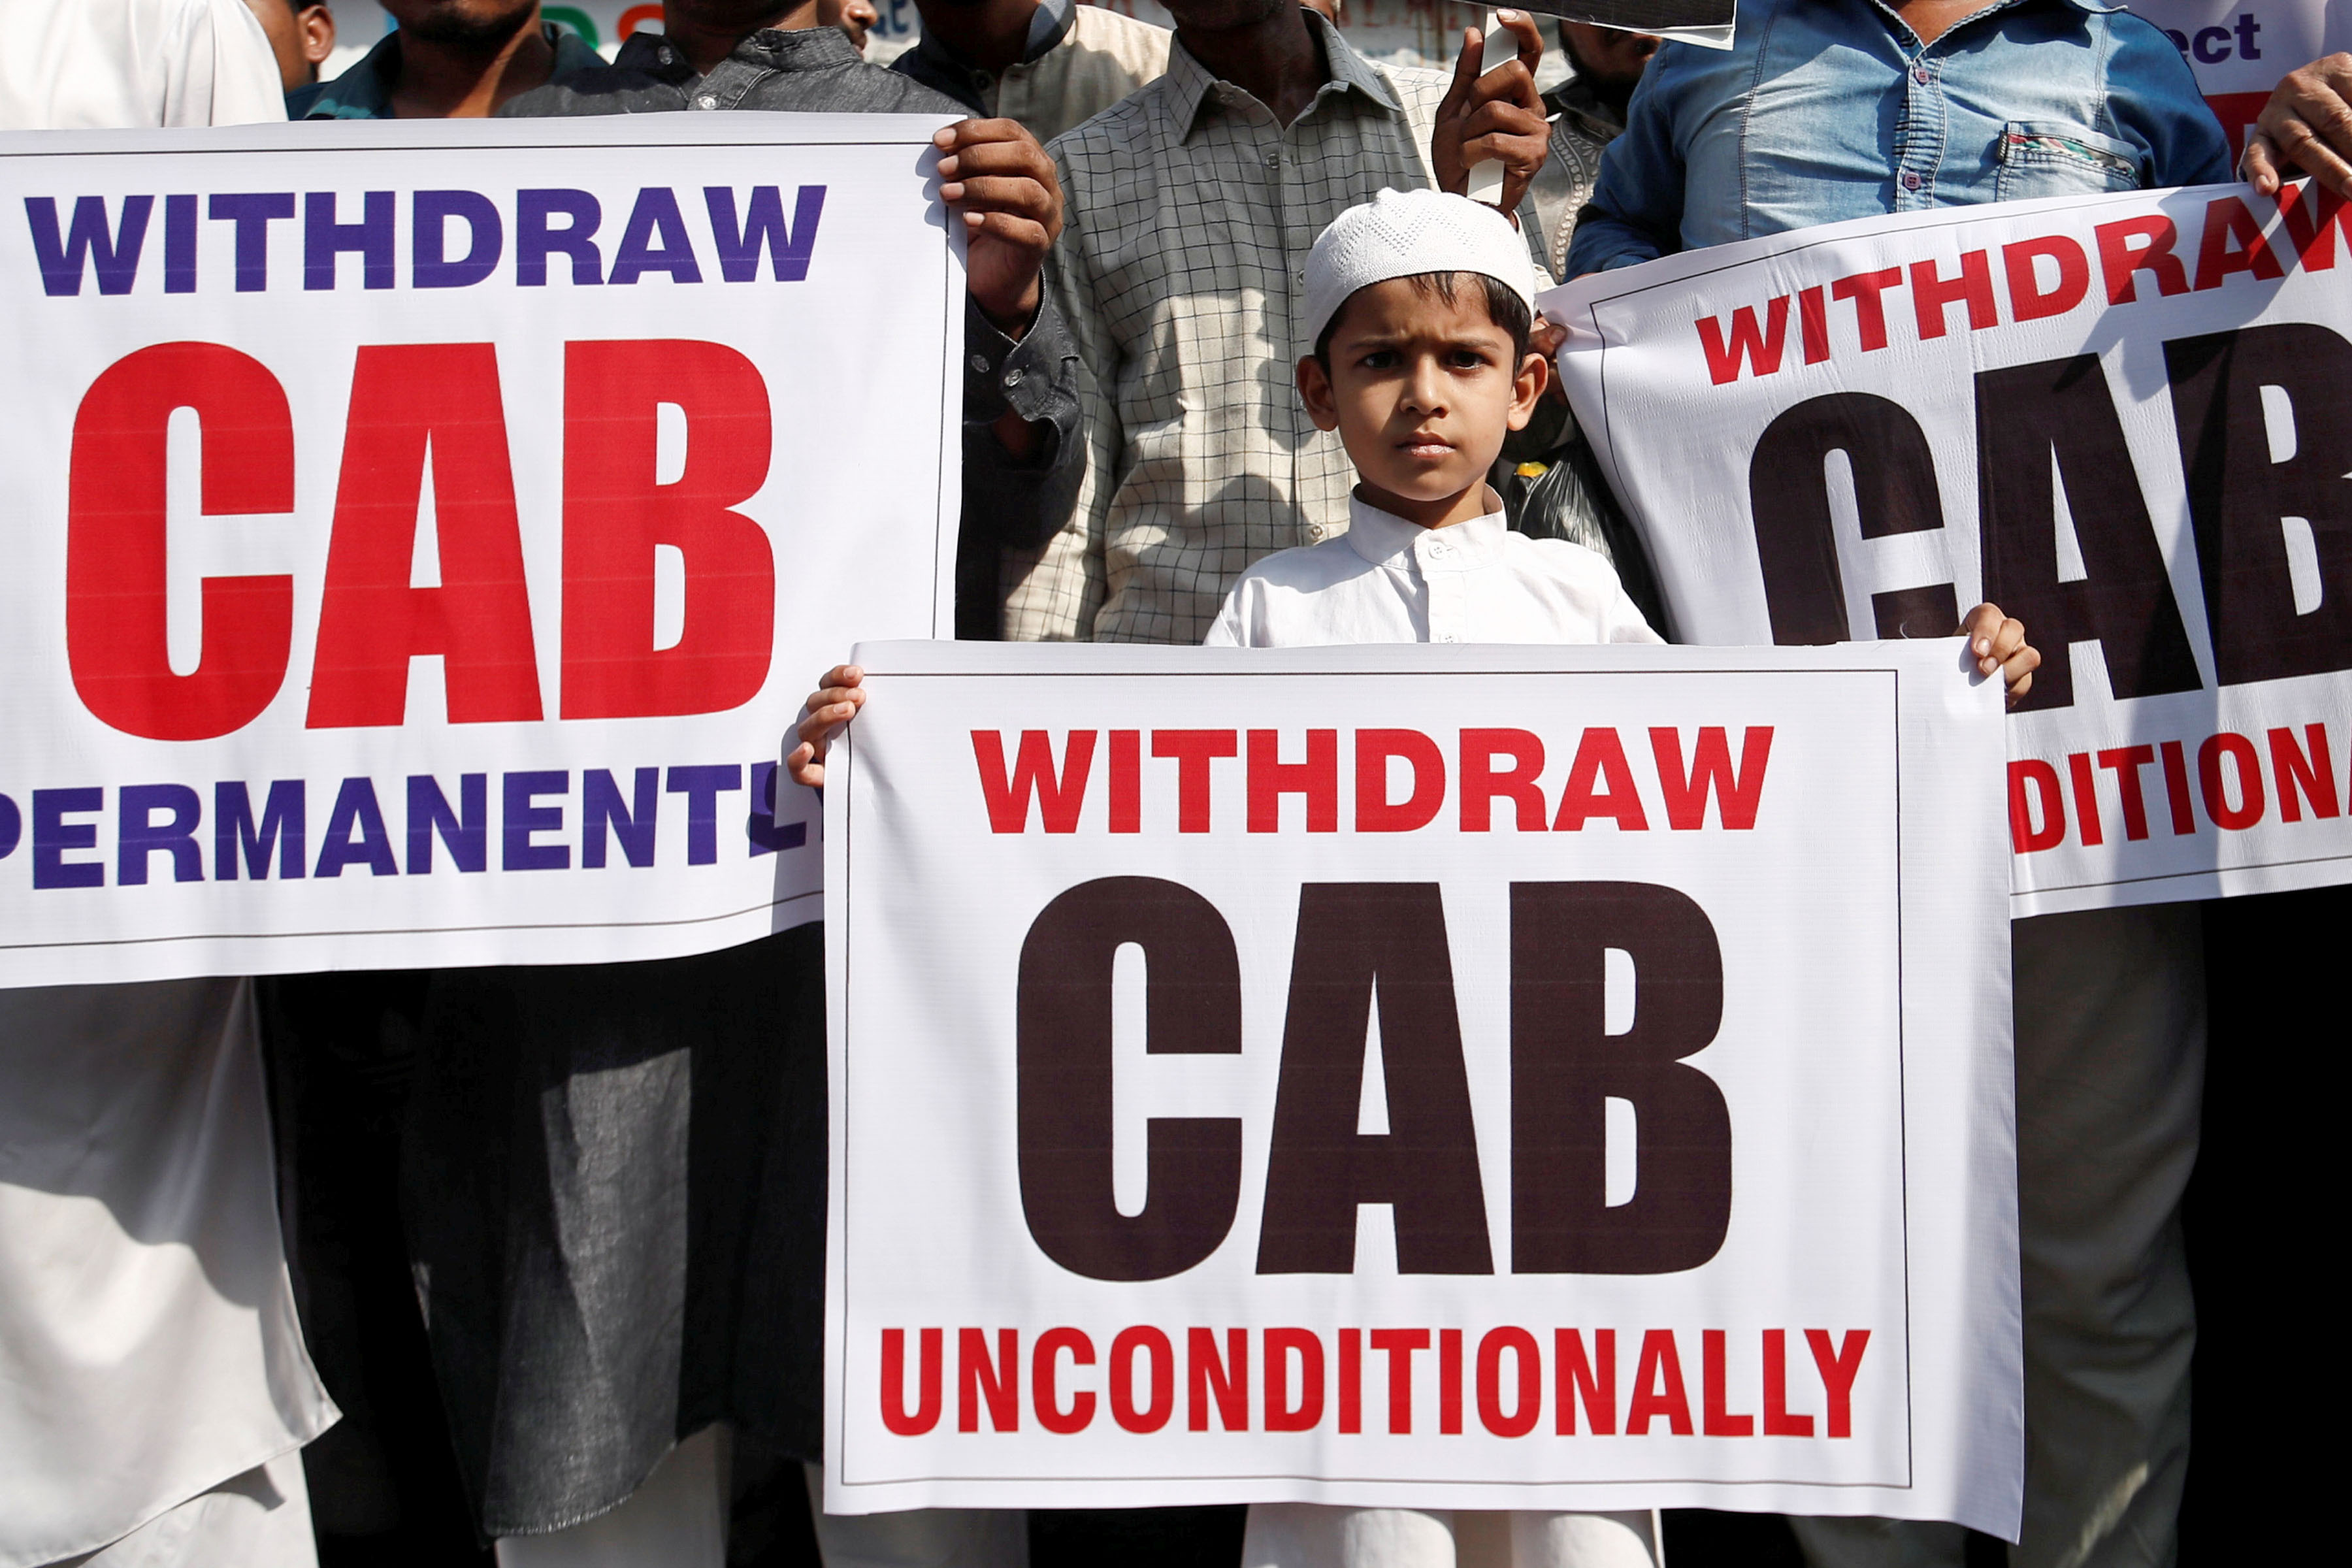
<point>1439,551</point>
<point>1910,180</point>
<point>706,102</point>
<point>663,57</point>
<point>1446,636</point>
<point>1273,158</point>
<point>1013,376</point>
<point>980,365</point>
<point>1919,75</point>
<point>1315,531</point>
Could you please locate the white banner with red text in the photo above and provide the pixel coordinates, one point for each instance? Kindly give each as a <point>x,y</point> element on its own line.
<point>420,537</point>
<point>2126,419</point>
<point>1501,1078</point>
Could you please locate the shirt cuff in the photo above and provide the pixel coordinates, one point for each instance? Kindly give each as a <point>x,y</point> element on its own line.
<point>1000,375</point>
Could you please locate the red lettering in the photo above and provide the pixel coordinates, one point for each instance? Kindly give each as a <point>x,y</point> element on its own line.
<point>2028,301</point>
<point>2135,244</point>
<point>1778,1420</point>
<point>1375,813</point>
<point>1839,1368</point>
<point>979,1379</point>
<point>2248,766</point>
<point>2087,797</point>
<point>1317,778</point>
<point>1718,1421</point>
<point>894,1383</point>
<point>1658,1387</point>
<point>1126,780</point>
<point>1352,1380</point>
<point>2311,232</point>
<point>1737,793</point>
<point>2176,789</point>
<point>116,614</point>
<point>1601,756</point>
<point>1224,1379</point>
<point>1193,750</point>
<point>1527,1409</point>
<point>616,516</point>
<point>1281,1344</point>
<point>2124,762</point>
<point>1045,1380</point>
<point>2226,220</point>
<point>2303,776</point>
<point>1932,294</point>
<point>1595,1380</point>
<point>1760,347</point>
<point>1059,796</point>
<point>408,399</point>
<point>1161,1374</point>
<point>1481,784</point>
<point>1813,320</point>
<point>1449,1382</point>
<point>1867,291</point>
<point>1399,1344</point>
<point>2024,838</point>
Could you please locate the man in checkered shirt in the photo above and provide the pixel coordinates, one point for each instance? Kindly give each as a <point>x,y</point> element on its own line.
<point>1190,211</point>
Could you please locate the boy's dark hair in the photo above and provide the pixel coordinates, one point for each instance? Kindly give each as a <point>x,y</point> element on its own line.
<point>1504,308</point>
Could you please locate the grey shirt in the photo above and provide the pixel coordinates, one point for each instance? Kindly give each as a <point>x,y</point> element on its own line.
<point>1006,500</point>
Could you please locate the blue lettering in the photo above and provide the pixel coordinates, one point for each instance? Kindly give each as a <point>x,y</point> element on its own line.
<point>656,240</point>
<point>760,827</point>
<point>524,817</point>
<point>252,212</point>
<point>323,239</point>
<point>355,832</point>
<point>763,228</point>
<point>113,256</point>
<point>53,836</point>
<point>284,819</point>
<point>180,244</point>
<point>430,266</point>
<point>702,787</point>
<point>138,836</point>
<point>12,826</point>
<point>535,241</point>
<point>600,806</point>
<point>467,830</point>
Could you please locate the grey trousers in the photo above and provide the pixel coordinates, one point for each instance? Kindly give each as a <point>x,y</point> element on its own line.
<point>2110,1077</point>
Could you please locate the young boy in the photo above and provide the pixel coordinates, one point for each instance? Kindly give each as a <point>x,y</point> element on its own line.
<point>1422,303</point>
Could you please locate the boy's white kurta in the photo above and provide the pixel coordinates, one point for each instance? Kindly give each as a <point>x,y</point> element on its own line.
<point>1283,1075</point>
<point>1386,580</point>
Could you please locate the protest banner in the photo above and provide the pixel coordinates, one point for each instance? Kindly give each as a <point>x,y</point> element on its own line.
<point>420,537</point>
<point>2238,49</point>
<point>2122,419</point>
<point>1563,1077</point>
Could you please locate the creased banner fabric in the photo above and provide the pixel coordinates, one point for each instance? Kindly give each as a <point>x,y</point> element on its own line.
<point>1574,1078</point>
<point>419,537</point>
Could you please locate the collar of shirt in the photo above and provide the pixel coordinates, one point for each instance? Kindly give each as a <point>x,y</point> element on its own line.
<point>364,91</point>
<point>1576,99</point>
<point>1384,539</point>
<point>1191,85</point>
<point>930,62</point>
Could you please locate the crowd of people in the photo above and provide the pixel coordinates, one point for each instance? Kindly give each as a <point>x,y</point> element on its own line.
<point>1235,332</point>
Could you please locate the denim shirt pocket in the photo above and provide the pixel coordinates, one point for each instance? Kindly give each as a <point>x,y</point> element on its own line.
<point>2058,158</point>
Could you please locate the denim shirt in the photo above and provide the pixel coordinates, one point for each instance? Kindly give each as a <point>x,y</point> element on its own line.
<point>1828,110</point>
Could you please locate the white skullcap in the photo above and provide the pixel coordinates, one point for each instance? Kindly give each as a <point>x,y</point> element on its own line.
<point>1399,234</point>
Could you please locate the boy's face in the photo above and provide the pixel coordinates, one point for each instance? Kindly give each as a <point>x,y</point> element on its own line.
<point>1422,392</point>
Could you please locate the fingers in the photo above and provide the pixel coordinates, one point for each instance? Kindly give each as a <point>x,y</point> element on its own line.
<point>805,766</point>
<point>2017,670</point>
<point>1466,72</point>
<point>2308,124</point>
<point>1522,28</point>
<point>2260,166</point>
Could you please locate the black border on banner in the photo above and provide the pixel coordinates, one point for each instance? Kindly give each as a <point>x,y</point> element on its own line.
<point>836,1343</point>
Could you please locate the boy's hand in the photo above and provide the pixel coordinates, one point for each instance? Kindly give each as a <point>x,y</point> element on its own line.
<point>1498,115</point>
<point>841,694</point>
<point>997,178</point>
<point>1999,645</point>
